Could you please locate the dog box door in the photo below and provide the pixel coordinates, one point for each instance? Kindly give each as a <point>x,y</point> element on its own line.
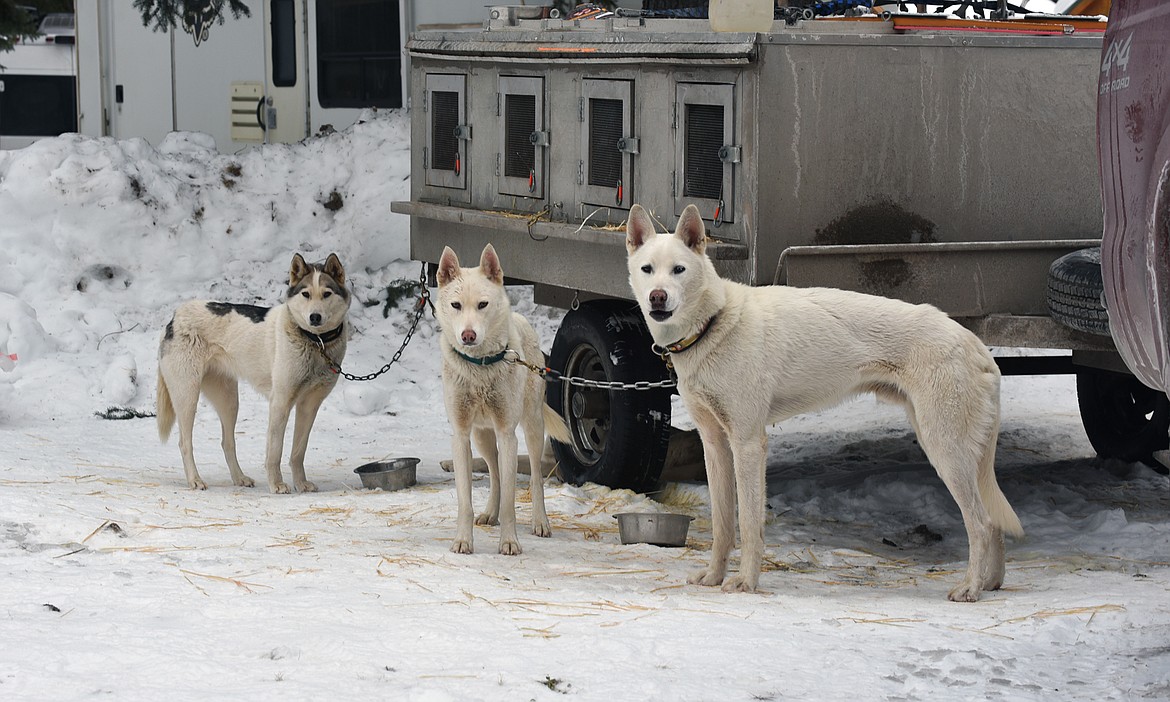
<point>706,151</point>
<point>445,156</point>
<point>520,165</point>
<point>608,144</point>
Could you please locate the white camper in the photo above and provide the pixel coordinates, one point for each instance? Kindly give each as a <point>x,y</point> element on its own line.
<point>278,75</point>
<point>38,93</point>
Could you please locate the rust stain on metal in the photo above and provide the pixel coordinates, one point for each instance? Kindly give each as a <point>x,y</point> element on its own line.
<point>880,222</point>
<point>886,274</point>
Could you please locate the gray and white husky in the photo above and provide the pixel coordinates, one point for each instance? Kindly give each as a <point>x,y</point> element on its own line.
<point>747,357</point>
<point>487,399</point>
<point>209,346</point>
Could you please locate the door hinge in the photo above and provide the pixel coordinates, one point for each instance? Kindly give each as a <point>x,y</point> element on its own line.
<point>425,161</point>
<point>497,165</point>
<point>580,173</point>
<point>581,110</point>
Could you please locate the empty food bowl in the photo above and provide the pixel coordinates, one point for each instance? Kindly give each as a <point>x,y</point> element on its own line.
<point>657,528</point>
<point>392,474</point>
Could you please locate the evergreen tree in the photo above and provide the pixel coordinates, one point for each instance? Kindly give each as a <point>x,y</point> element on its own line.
<point>15,24</point>
<point>165,14</point>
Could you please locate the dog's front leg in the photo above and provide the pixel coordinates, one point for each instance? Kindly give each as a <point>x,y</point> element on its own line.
<point>485,442</point>
<point>721,483</point>
<point>750,454</point>
<point>461,455</point>
<point>508,448</point>
<point>278,411</point>
<point>306,414</point>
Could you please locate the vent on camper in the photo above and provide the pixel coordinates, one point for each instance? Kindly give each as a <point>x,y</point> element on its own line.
<point>707,152</point>
<point>520,166</point>
<point>448,135</point>
<point>608,145</point>
<point>247,102</point>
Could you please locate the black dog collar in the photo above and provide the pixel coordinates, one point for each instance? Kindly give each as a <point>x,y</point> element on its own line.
<point>327,337</point>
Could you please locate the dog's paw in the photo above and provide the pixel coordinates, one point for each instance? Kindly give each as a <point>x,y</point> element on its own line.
<point>244,481</point>
<point>738,583</point>
<point>542,529</point>
<point>965,592</point>
<point>487,519</point>
<point>197,484</point>
<point>461,546</point>
<point>306,486</point>
<point>280,488</point>
<point>509,547</point>
<point>706,578</point>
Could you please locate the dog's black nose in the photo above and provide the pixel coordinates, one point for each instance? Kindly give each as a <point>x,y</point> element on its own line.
<point>315,319</point>
<point>657,299</point>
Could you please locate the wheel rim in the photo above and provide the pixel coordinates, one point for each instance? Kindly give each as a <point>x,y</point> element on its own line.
<point>586,410</point>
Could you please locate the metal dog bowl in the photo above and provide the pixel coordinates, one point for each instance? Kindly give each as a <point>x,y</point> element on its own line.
<point>394,474</point>
<point>657,528</point>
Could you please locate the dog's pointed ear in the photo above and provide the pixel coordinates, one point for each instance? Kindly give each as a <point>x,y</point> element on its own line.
<point>639,228</point>
<point>691,230</point>
<point>448,267</point>
<point>489,263</point>
<point>334,269</point>
<point>298,270</point>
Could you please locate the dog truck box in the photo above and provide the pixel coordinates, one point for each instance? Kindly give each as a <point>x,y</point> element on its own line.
<point>927,158</point>
<point>277,75</point>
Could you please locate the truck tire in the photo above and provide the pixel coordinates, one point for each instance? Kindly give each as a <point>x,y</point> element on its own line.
<point>1123,418</point>
<point>1074,292</point>
<point>619,436</point>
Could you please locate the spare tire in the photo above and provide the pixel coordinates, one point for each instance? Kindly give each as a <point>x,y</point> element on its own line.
<point>620,437</point>
<point>1074,292</point>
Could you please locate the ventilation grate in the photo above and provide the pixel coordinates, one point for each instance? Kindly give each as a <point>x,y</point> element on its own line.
<point>703,170</point>
<point>444,118</point>
<point>519,124</point>
<point>605,129</point>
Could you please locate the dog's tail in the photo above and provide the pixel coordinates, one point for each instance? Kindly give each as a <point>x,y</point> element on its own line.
<point>555,427</point>
<point>1002,514</point>
<point>165,410</point>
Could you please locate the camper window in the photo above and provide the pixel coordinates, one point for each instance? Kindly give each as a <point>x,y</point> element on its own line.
<point>284,44</point>
<point>359,53</point>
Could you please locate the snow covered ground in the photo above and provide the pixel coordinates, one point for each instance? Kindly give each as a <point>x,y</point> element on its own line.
<point>119,582</point>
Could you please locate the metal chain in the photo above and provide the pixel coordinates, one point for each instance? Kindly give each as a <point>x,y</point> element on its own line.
<point>424,301</point>
<point>551,376</point>
<point>548,374</point>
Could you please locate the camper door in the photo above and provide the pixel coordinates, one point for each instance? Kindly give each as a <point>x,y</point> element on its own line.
<point>284,114</point>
